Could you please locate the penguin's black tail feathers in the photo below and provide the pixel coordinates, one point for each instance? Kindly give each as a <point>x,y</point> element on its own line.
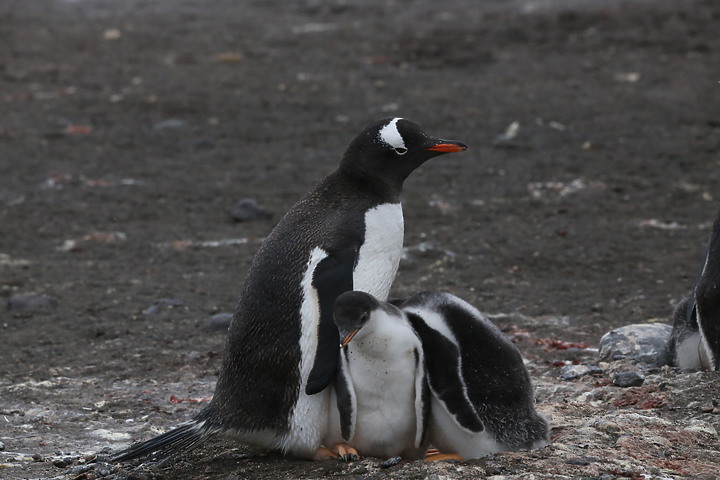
<point>180,439</point>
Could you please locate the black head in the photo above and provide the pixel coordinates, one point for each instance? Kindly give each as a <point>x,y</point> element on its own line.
<point>351,312</point>
<point>391,149</point>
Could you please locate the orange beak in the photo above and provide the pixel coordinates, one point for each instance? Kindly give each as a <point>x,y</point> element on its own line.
<point>448,147</point>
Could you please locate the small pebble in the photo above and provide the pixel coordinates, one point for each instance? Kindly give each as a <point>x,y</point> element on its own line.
<point>390,462</point>
<point>169,123</point>
<point>219,321</point>
<point>60,463</point>
<point>629,379</point>
<point>203,144</point>
<point>78,469</point>
<point>248,210</point>
<point>2,446</point>
<point>103,469</point>
<point>572,372</point>
<point>702,427</point>
<point>30,302</point>
<point>37,457</point>
<point>606,426</point>
<point>155,308</point>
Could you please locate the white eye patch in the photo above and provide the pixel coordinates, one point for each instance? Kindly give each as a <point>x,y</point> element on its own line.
<point>390,135</point>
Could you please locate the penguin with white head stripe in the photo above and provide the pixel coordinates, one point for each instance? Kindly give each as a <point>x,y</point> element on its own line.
<point>282,347</point>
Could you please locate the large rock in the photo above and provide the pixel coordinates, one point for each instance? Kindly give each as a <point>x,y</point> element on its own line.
<point>631,378</point>
<point>646,342</point>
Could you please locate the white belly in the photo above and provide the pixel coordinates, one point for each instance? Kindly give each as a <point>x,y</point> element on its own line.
<point>384,377</point>
<point>448,437</point>
<point>380,254</point>
<point>691,353</point>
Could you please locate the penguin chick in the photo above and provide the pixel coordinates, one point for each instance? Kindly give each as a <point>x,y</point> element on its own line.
<point>380,388</point>
<point>695,339</point>
<point>492,377</point>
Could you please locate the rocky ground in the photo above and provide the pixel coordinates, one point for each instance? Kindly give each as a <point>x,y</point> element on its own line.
<point>129,131</point>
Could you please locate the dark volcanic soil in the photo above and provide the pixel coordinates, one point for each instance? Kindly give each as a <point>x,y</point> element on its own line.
<point>130,129</point>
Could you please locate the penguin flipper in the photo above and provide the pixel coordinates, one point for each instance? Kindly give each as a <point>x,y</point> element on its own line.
<point>332,277</point>
<point>422,399</point>
<point>444,374</point>
<point>346,400</point>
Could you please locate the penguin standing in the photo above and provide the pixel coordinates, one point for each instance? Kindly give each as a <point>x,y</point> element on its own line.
<point>468,359</point>
<point>380,389</point>
<point>695,338</point>
<point>282,346</point>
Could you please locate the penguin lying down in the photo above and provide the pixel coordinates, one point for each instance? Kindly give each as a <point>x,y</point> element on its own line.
<point>695,338</point>
<point>433,371</point>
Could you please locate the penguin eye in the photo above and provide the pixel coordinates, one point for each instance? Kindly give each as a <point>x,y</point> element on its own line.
<point>364,317</point>
<point>400,150</point>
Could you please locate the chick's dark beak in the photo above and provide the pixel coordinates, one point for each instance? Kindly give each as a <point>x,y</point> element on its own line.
<point>348,337</point>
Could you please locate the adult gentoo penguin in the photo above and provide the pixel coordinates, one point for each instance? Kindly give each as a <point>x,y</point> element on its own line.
<point>380,389</point>
<point>282,346</point>
<point>468,359</point>
<point>695,338</point>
